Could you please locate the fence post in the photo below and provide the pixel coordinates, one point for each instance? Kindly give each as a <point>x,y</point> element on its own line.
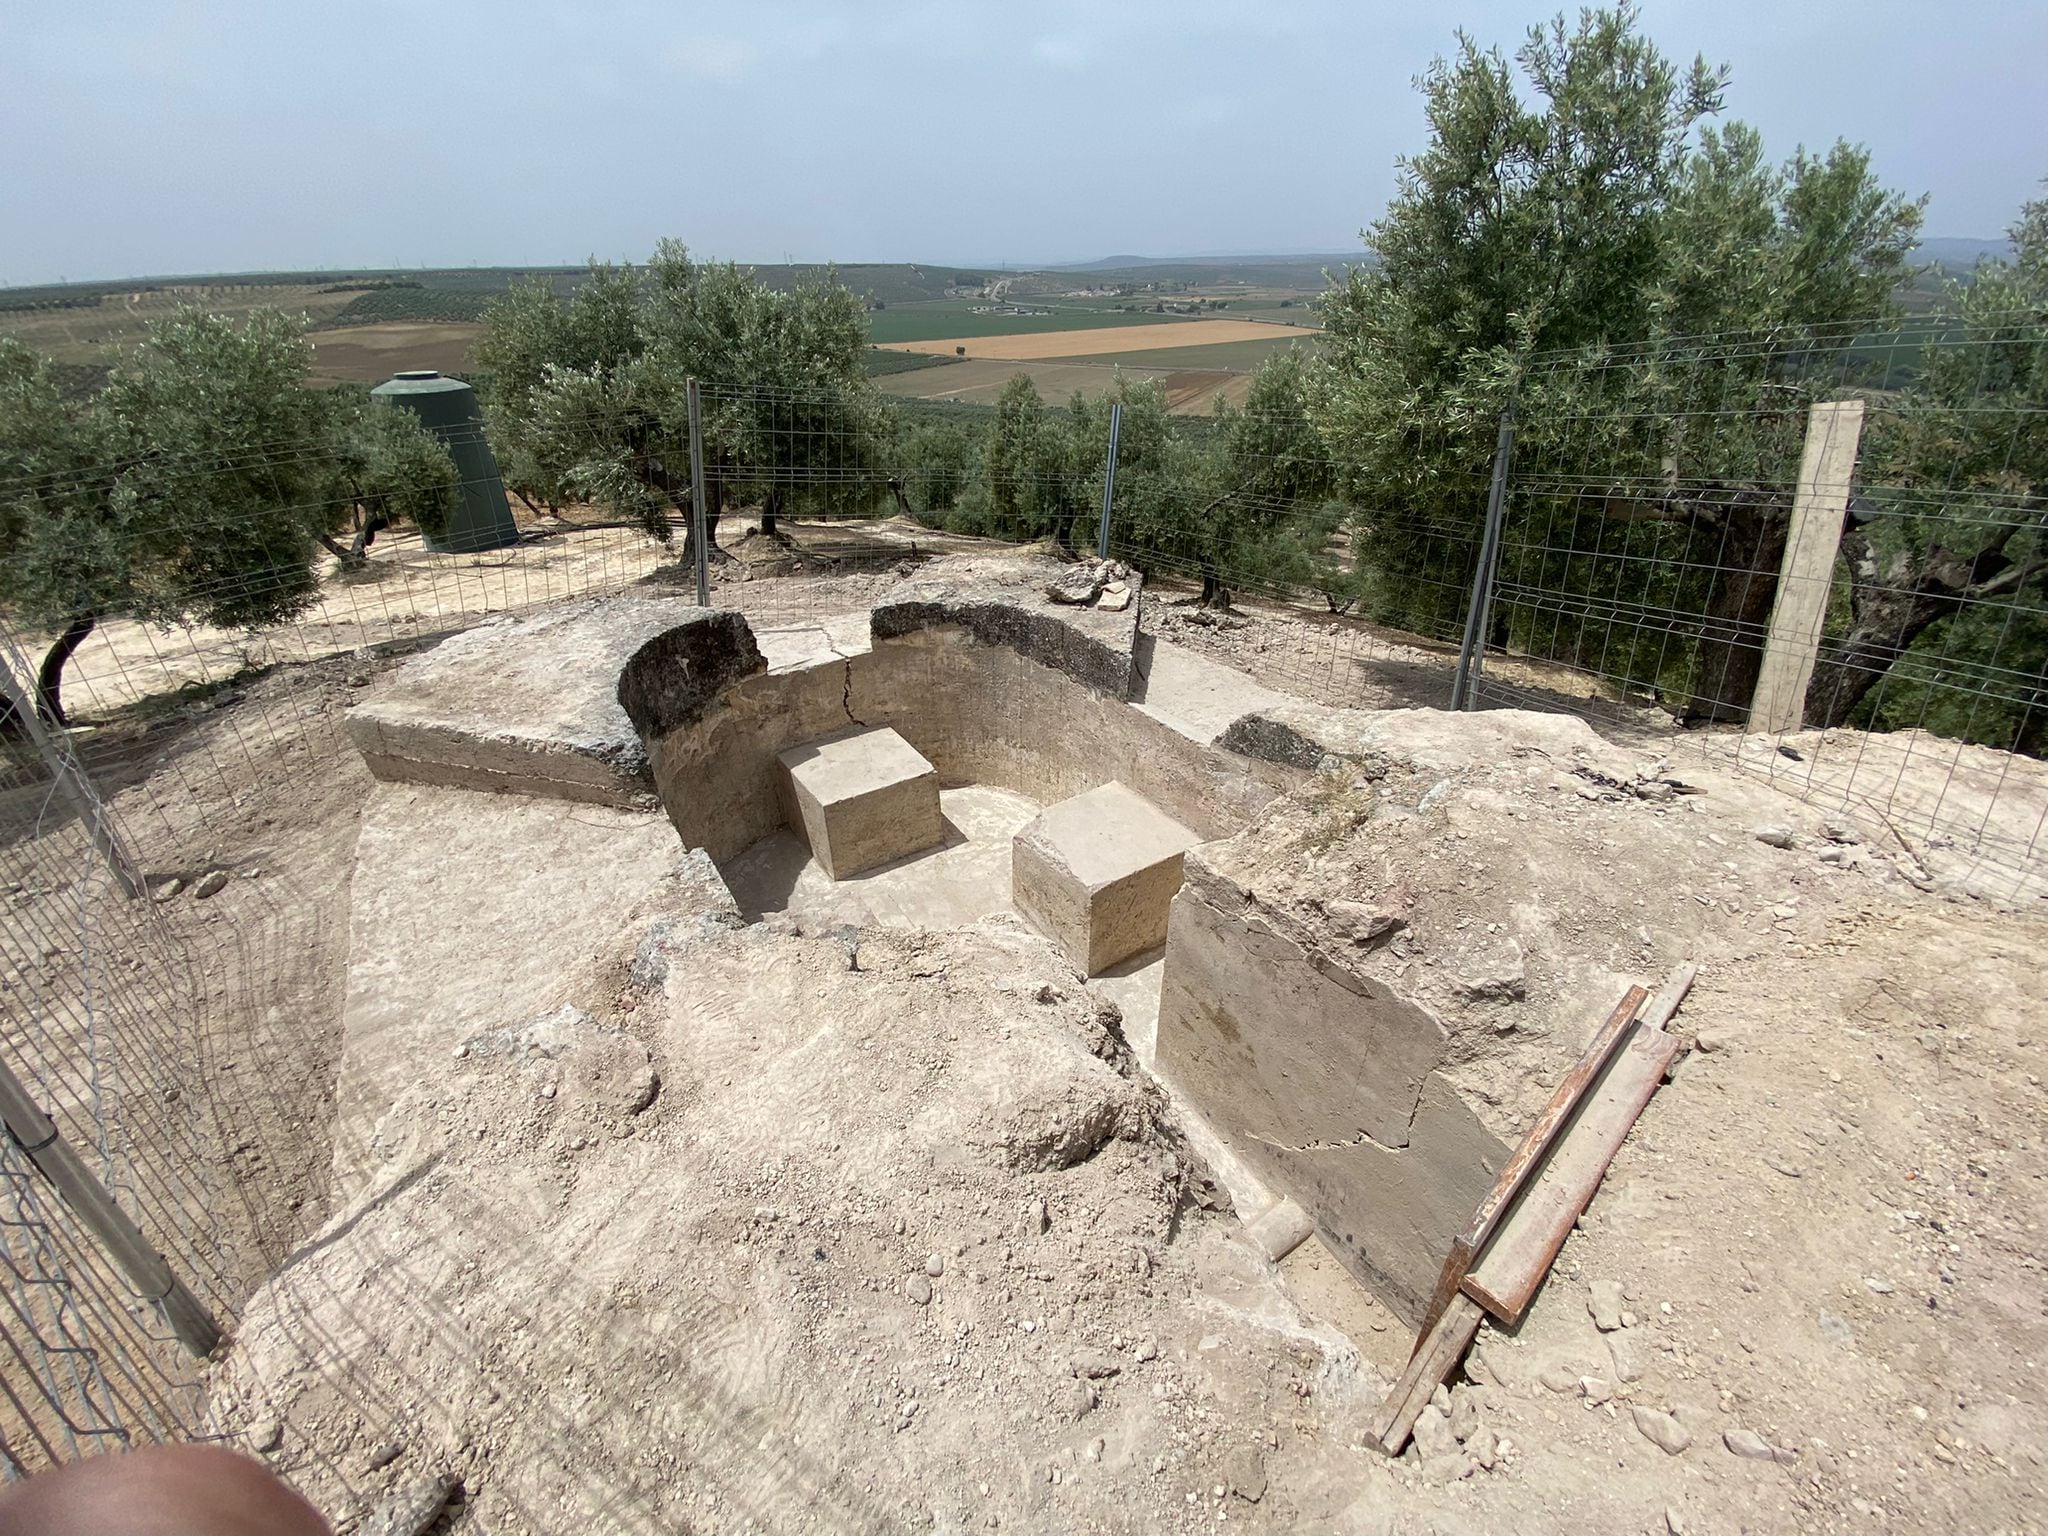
<point>64,774</point>
<point>146,1270</point>
<point>1116,421</point>
<point>1834,433</point>
<point>1464,687</point>
<point>699,539</point>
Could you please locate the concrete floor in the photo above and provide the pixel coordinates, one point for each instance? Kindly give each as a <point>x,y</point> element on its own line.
<point>960,882</point>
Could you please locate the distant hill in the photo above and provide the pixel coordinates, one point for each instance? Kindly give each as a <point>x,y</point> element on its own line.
<point>1960,251</point>
<point>1125,263</point>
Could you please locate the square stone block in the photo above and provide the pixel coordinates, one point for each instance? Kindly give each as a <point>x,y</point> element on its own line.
<point>861,799</point>
<point>1098,873</point>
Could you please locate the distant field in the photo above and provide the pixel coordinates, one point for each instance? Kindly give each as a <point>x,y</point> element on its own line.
<point>880,363</point>
<point>97,333</point>
<point>1297,313</point>
<point>370,354</point>
<point>1189,392</point>
<point>1097,342</point>
<point>952,319</point>
<point>1227,356</point>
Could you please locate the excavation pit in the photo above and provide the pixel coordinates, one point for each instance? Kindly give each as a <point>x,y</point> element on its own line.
<point>973,755</point>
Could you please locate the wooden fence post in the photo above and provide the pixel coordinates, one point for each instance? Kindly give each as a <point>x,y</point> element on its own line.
<point>1834,432</point>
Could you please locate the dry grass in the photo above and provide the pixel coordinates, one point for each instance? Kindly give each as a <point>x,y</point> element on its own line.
<point>370,354</point>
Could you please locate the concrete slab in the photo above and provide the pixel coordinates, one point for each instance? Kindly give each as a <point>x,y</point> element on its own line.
<point>470,912</point>
<point>1198,697</point>
<point>1098,872</point>
<point>528,705</point>
<point>861,798</point>
<point>965,879</point>
<point>792,645</point>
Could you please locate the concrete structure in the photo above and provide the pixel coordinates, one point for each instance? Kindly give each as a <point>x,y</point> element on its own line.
<point>1097,873</point>
<point>861,799</point>
<point>536,705</point>
<point>1806,578</point>
<point>1326,1081</point>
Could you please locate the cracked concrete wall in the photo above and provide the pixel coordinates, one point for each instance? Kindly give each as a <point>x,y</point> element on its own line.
<point>1328,1083</point>
<point>980,713</point>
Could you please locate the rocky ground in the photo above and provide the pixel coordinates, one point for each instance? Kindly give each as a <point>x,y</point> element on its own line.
<point>770,1230</point>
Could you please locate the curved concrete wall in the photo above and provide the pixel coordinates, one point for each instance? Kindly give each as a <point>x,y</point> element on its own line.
<point>981,713</point>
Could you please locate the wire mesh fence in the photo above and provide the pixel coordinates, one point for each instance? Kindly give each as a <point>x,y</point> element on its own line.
<point>1819,557</point>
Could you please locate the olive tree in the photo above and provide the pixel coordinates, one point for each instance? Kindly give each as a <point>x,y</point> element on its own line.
<point>197,486</point>
<point>591,390</point>
<point>1607,212</point>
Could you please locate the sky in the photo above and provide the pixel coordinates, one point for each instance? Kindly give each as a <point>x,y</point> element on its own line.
<point>238,135</point>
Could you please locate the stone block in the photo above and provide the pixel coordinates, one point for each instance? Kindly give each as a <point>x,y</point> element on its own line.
<point>860,799</point>
<point>1098,872</point>
<point>535,705</point>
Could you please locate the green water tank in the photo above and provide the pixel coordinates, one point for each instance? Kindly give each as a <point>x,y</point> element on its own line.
<point>448,408</point>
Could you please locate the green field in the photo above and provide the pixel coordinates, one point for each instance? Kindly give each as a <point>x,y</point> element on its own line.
<point>880,364</point>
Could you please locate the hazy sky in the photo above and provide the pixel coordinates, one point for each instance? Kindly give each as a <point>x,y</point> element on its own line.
<point>233,135</point>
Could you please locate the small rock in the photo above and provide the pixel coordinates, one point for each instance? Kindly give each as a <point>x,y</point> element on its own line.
<point>1710,1041</point>
<point>1655,790</point>
<point>1838,831</point>
<point>1465,1412</point>
<point>1079,584</point>
<point>1595,1389</point>
<point>1484,1448</point>
<point>265,1434</point>
<point>1433,1437</point>
<point>1147,1352</point>
<point>1037,1219</point>
<point>1784,1165</point>
<point>919,1289</point>
<point>1559,1378</point>
<point>1496,977</point>
<point>1245,1470</point>
<point>1116,597</point>
<point>413,1508</point>
<point>1365,924</point>
<point>1604,1302</point>
<point>1674,1522</point>
<point>935,1265</point>
<point>1748,1443</point>
<point>1877,1285</point>
<point>1774,836</point>
<point>1628,1361</point>
<point>385,1454</point>
<point>212,883</point>
<point>1448,1469</point>
<point>167,890</point>
<point>1663,1431</point>
<point>1095,1366</point>
<point>1076,1399</point>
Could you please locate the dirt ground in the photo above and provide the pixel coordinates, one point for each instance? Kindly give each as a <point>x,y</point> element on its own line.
<point>918,1246</point>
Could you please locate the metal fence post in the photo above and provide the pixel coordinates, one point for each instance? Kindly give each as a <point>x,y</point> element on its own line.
<point>699,539</point>
<point>145,1268</point>
<point>1116,421</point>
<point>65,775</point>
<point>1464,687</point>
